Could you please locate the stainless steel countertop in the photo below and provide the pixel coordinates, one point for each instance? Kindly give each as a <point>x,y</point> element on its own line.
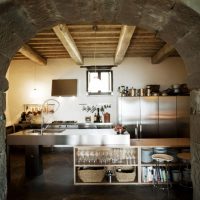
<point>71,137</point>
<point>81,125</point>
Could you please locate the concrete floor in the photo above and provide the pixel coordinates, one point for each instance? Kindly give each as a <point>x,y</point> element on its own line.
<point>56,183</point>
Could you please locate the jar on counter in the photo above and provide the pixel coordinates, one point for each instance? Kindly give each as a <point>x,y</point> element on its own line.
<point>109,176</point>
<point>106,117</point>
<point>141,91</point>
<point>148,89</point>
<point>132,92</point>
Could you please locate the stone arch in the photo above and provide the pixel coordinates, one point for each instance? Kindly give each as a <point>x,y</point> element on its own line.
<point>172,20</point>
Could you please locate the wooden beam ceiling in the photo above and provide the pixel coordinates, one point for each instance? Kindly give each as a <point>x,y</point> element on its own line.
<point>28,52</point>
<point>66,39</point>
<point>123,44</point>
<point>162,54</point>
<point>104,43</point>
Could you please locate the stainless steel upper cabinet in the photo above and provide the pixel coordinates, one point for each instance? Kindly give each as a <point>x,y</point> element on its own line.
<point>149,116</point>
<point>129,113</point>
<point>167,117</point>
<point>183,116</point>
<point>129,110</point>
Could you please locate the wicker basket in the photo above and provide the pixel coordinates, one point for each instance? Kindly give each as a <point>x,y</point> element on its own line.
<point>122,176</point>
<point>91,175</point>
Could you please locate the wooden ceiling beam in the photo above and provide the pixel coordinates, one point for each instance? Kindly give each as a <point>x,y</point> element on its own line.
<point>28,52</point>
<point>123,44</point>
<point>162,54</point>
<point>65,37</point>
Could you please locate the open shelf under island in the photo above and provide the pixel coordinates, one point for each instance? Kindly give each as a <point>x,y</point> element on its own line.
<point>113,165</point>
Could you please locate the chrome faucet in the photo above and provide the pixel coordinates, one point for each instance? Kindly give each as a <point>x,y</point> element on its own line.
<point>43,127</point>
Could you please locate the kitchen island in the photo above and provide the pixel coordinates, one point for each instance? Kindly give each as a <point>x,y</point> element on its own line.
<point>89,141</point>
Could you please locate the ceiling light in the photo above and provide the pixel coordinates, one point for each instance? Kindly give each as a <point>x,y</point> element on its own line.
<point>95,84</point>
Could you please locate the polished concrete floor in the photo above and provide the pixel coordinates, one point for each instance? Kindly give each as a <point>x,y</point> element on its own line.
<point>56,183</point>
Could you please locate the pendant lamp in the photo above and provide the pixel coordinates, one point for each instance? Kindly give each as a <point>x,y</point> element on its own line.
<point>95,84</point>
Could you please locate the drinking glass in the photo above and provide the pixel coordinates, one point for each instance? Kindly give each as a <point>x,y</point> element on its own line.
<point>78,156</point>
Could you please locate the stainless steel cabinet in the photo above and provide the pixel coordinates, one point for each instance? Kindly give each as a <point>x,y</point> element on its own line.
<point>163,116</point>
<point>129,113</point>
<point>141,111</point>
<point>183,119</point>
<point>167,117</point>
<point>149,116</point>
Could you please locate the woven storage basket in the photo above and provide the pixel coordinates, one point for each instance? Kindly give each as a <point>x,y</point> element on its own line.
<point>94,175</point>
<point>126,176</point>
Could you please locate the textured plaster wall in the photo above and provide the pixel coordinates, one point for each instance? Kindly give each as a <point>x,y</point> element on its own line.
<point>24,76</point>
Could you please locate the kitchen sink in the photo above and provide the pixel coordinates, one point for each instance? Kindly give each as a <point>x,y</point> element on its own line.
<point>48,130</point>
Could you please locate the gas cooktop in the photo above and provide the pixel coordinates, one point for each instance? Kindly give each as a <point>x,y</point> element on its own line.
<point>64,122</point>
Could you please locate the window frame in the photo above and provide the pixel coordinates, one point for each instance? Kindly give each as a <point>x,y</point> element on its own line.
<point>99,71</point>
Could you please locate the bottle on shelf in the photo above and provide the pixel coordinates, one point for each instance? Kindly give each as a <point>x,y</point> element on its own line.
<point>127,91</point>
<point>98,116</point>
<point>95,117</point>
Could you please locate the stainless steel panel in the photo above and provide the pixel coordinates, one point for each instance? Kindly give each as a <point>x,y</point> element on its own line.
<point>149,116</point>
<point>167,117</point>
<point>163,116</point>
<point>129,113</point>
<point>183,116</point>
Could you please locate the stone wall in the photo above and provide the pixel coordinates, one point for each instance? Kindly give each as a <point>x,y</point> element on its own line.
<point>3,181</point>
<point>174,21</point>
<point>195,141</point>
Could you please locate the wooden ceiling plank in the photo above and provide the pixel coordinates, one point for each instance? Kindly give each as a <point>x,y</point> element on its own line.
<point>57,56</point>
<point>28,52</point>
<point>54,52</point>
<point>44,42</point>
<point>65,37</point>
<point>50,49</point>
<point>48,46</point>
<point>106,37</point>
<point>92,45</point>
<point>162,54</point>
<point>92,34</point>
<point>48,34</point>
<point>20,58</point>
<point>146,40</point>
<point>44,38</point>
<point>123,44</point>
<point>97,42</point>
<point>100,55</point>
<point>108,26</point>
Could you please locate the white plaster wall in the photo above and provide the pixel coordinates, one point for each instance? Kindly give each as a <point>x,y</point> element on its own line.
<point>24,76</point>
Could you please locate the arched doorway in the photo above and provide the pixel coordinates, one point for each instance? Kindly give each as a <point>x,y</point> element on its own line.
<point>174,22</point>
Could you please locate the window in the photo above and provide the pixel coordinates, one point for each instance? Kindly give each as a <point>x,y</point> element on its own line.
<point>99,82</point>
